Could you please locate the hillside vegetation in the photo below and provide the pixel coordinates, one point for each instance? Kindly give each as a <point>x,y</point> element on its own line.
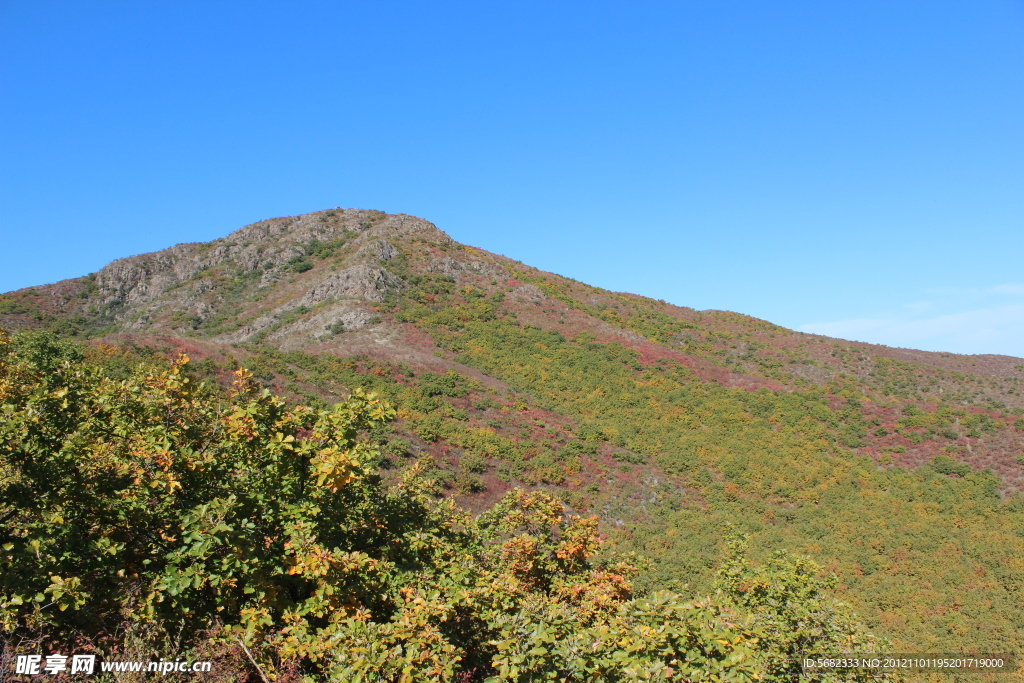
<point>157,507</point>
<point>897,471</point>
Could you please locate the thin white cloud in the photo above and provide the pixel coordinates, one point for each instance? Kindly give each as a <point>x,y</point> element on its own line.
<point>998,329</point>
<point>1007,288</point>
<point>1013,290</point>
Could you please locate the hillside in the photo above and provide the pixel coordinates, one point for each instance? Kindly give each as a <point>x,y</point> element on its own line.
<point>898,470</point>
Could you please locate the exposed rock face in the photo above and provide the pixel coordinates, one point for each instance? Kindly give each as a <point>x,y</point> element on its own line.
<point>338,317</point>
<point>267,246</point>
<point>358,282</point>
<point>378,250</point>
<point>529,293</point>
<point>315,281</point>
<point>456,269</point>
<point>140,278</point>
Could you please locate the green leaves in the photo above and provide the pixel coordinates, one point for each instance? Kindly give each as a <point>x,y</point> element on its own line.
<point>66,592</point>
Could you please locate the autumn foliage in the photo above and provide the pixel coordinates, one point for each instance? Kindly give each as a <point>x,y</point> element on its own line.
<point>206,519</point>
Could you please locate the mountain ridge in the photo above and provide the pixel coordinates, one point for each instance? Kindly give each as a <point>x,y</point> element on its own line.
<point>665,421</point>
<point>270,247</point>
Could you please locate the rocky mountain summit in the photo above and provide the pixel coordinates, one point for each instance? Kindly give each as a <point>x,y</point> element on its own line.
<point>334,261</point>
<point>295,282</point>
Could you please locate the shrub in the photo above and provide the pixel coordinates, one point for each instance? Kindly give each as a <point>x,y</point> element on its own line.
<point>337,327</point>
<point>153,496</point>
<point>469,483</point>
<point>397,447</point>
<point>943,464</point>
<point>298,264</point>
<point>473,462</point>
<point>450,384</point>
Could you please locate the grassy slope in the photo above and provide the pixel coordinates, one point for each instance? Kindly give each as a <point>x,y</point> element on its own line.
<point>670,423</point>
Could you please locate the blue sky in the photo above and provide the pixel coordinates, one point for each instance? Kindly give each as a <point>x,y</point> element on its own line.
<point>850,168</point>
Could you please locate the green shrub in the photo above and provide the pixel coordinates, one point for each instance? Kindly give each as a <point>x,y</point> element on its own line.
<point>397,447</point>
<point>451,384</point>
<point>469,483</point>
<point>473,462</point>
<point>943,464</point>
<point>298,264</point>
<point>629,456</point>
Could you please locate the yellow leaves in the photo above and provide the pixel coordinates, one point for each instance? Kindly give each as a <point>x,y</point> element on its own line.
<point>61,394</point>
<point>579,540</point>
<point>374,408</point>
<point>519,556</point>
<point>241,425</point>
<point>66,592</point>
<point>162,458</point>
<point>253,621</point>
<point>314,562</point>
<point>242,382</point>
<point>165,481</point>
<point>311,560</point>
<point>170,386</point>
<point>598,590</point>
<point>7,390</point>
<point>533,507</point>
<point>334,468</point>
<point>284,442</point>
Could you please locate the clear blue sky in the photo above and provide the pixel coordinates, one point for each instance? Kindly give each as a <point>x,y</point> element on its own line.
<point>854,168</point>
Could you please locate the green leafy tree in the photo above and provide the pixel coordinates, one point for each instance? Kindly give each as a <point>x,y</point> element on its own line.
<point>795,614</point>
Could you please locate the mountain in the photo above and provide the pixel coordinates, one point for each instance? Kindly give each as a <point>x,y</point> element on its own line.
<point>898,470</point>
